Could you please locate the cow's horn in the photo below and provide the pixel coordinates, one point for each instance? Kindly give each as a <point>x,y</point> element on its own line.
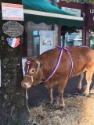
<point>38,63</point>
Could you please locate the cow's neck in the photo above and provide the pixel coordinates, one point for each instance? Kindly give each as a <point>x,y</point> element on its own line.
<point>45,75</point>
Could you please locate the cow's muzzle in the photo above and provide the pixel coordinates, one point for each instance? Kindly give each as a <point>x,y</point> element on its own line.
<point>25,85</point>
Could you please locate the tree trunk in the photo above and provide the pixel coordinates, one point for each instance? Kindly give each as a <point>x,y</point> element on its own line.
<point>12,96</point>
<point>12,100</point>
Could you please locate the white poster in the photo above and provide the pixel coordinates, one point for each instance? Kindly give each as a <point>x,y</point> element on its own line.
<point>23,65</point>
<point>12,12</point>
<point>46,40</point>
<point>0,72</point>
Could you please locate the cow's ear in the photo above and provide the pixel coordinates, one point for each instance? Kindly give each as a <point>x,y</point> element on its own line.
<point>41,65</point>
<point>33,60</point>
<point>28,59</point>
<point>38,64</point>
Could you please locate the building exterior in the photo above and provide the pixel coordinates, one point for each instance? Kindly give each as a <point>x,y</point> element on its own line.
<point>83,36</point>
<point>86,10</point>
<point>33,37</point>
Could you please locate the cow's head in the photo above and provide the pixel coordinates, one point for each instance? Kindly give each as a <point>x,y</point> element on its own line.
<point>33,73</point>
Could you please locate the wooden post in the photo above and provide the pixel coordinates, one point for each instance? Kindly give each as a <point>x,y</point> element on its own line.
<point>87,36</point>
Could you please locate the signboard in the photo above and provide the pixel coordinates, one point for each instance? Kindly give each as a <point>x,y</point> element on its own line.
<point>13,29</point>
<point>23,65</point>
<point>0,72</point>
<point>90,18</point>
<point>12,12</point>
<point>76,12</point>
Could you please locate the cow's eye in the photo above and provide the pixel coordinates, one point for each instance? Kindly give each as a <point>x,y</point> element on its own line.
<point>32,71</point>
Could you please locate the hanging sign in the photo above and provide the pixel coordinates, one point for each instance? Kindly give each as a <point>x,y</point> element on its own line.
<point>90,18</point>
<point>13,29</point>
<point>12,12</point>
<point>76,12</point>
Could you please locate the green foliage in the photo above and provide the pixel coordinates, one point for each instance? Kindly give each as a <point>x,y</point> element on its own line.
<point>70,1</point>
<point>81,1</point>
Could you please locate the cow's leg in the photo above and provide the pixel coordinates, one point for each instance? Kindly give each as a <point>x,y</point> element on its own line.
<point>61,88</point>
<point>50,95</point>
<point>89,75</point>
<point>49,87</point>
<point>79,85</point>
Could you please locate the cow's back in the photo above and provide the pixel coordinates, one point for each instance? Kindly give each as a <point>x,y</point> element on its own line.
<point>82,58</point>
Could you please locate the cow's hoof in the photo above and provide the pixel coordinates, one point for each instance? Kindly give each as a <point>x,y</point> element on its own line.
<point>50,105</point>
<point>79,90</point>
<point>92,91</point>
<point>85,94</point>
<point>62,106</point>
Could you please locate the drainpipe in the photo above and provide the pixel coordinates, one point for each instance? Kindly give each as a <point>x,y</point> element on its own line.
<point>87,40</point>
<point>54,4</point>
<point>85,28</point>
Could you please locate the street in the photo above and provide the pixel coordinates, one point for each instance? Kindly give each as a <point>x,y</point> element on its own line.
<point>39,93</point>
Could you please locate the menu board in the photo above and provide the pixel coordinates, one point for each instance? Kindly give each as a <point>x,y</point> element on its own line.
<point>12,12</point>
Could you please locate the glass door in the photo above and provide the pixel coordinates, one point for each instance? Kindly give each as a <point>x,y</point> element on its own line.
<point>36,46</point>
<point>91,38</point>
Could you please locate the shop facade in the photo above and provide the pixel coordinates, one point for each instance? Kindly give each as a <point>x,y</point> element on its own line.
<point>35,34</point>
<point>86,32</point>
<point>42,32</point>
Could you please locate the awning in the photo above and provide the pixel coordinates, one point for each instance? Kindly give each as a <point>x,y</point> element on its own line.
<point>39,11</point>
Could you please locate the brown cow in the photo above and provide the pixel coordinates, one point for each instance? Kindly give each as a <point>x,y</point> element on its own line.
<point>73,61</point>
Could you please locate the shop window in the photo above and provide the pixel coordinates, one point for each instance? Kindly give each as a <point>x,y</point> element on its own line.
<point>73,39</point>
<point>92,39</point>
